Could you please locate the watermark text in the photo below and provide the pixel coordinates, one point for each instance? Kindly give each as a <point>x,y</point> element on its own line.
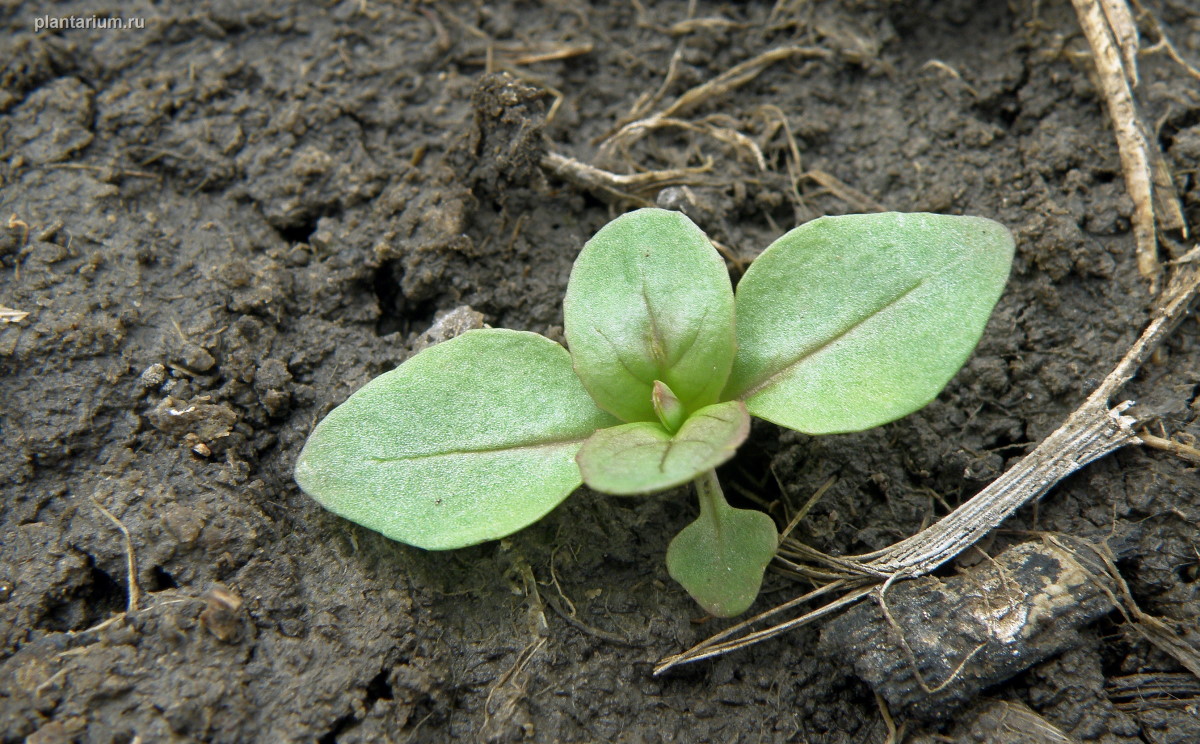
<point>75,22</point>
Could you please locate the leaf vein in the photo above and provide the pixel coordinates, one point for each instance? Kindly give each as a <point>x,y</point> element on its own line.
<point>480,451</point>
<point>806,354</point>
<point>617,355</point>
<point>658,343</point>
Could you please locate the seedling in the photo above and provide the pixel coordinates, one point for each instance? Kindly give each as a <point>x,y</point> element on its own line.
<point>842,324</point>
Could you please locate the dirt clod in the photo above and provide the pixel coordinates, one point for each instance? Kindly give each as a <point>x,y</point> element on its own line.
<point>221,616</point>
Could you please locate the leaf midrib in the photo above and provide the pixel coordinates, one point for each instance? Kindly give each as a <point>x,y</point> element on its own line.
<point>481,450</point>
<point>777,376</point>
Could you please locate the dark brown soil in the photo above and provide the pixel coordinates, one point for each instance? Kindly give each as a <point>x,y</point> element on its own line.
<point>225,223</point>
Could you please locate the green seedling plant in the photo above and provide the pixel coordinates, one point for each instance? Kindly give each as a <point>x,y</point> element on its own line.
<point>842,324</point>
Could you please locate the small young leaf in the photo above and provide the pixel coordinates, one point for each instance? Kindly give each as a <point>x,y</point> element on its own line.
<point>671,413</point>
<point>642,457</point>
<point>720,558</point>
<point>846,323</point>
<point>649,299</point>
<point>469,440</point>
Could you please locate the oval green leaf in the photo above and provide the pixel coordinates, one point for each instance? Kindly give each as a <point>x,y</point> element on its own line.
<point>846,323</point>
<point>469,440</point>
<point>720,558</point>
<point>650,299</point>
<point>643,457</point>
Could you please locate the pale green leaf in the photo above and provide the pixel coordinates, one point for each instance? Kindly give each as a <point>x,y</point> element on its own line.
<point>469,440</point>
<point>848,322</point>
<point>720,558</point>
<point>670,412</point>
<point>643,457</point>
<point>650,299</point>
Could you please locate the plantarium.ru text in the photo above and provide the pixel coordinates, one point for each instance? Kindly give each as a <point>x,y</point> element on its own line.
<point>842,324</point>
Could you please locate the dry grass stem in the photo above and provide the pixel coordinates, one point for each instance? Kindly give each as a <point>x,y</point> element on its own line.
<point>776,122</point>
<point>718,644</point>
<point>516,54</point>
<point>808,505</point>
<point>1088,434</point>
<point>8,315</point>
<point>1116,85</point>
<point>1135,693</point>
<point>1124,31</point>
<point>683,28</point>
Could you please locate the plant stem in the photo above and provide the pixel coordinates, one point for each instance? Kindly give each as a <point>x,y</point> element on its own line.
<point>712,499</point>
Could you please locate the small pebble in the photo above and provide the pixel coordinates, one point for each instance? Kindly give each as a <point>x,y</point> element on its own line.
<point>153,376</point>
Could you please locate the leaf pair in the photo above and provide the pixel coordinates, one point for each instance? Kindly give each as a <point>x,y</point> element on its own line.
<point>649,319</point>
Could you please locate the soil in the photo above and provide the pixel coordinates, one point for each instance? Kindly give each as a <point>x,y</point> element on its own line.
<point>224,223</point>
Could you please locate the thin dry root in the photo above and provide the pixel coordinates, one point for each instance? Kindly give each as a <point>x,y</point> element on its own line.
<point>729,80</point>
<point>1164,42</point>
<point>617,188</point>
<point>1178,449</point>
<point>1152,628</point>
<point>130,561</point>
<point>888,721</point>
<point>843,191</point>
<point>708,127</point>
